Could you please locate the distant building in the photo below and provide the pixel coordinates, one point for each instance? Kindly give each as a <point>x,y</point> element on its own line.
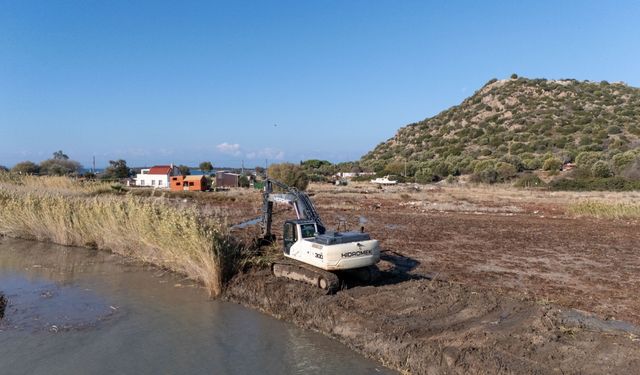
<point>157,176</point>
<point>188,183</point>
<point>227,179</point>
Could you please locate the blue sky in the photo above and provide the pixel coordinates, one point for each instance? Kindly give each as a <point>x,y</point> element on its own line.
<point>186,81</point>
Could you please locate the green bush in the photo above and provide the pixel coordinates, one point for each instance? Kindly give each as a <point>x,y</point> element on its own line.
<point>514,160</point>
<point>622,161</point>
<point>425,176</point>
<point>597,184</point>
<point>600,169</point>
<point>552,164</point>
<point>587,159</point>
<point>529,180</point>
<point>483,165</point>
<point>487,176</point>
<point>613,129</point>
<point>532,164</point>
<point>505,171</point>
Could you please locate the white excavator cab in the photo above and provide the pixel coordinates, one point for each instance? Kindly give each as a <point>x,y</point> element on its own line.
<point>295,230</point>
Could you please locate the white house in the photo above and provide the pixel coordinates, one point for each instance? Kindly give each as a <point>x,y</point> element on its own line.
<point>157,176</point>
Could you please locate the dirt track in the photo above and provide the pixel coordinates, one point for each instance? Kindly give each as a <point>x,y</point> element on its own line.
<point>508,276</point>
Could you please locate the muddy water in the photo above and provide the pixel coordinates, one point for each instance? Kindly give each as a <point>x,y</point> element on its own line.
<point>81,311</point>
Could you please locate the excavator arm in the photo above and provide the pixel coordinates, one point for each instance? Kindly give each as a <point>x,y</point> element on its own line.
<point>299,200</point>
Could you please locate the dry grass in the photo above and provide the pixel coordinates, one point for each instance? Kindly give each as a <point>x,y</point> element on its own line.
<point>69,212</point>
<point>477,194</point>
<point>52,184</point>
<point>606,210</point>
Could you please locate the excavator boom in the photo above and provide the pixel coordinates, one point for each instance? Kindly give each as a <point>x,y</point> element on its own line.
<point>305,210</point>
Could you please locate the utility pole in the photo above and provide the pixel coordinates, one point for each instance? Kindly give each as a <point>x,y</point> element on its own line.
<point>242,168</point>
<point>93,170</point>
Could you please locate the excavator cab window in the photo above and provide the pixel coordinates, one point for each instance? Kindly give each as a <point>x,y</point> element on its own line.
<point>290,235</point>
<point>308,230</point>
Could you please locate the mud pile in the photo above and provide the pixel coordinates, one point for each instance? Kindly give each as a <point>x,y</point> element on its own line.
<point>423,326</point>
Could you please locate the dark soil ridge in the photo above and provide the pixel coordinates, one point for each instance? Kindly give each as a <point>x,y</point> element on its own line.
<point>422,326</point>
<point>3,304</point>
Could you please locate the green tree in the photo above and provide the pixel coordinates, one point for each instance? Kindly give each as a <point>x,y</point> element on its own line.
<point>424,176</point>
<point>117,169</point>
<point>3,168</point>
<point>206,166</point>
<point>394,168</point>
<point>244,182</point>
<point>314,163</point>
<point>290,174</point>
<point>184,170</point>
<point>59,155</point>
<point>60,167</point>
<point>26,167</point>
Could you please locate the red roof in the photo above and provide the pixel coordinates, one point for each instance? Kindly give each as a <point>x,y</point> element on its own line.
<point>160,169</point>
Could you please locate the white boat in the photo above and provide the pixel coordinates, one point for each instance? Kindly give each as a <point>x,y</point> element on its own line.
<point>384,181</point>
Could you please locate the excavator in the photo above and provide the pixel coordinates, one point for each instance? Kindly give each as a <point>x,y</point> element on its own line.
<point>313,254</point>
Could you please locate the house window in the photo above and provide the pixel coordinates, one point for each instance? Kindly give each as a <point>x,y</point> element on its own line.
<point>177,184</point>
<point>159,182</point>
<point>141,182</point>
<point>190,183</point>
<point>153,182</point>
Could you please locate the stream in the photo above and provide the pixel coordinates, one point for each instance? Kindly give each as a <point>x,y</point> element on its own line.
<point>75,310</point>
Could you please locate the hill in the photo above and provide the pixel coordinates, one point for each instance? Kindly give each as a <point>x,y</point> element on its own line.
<point>520,124</point>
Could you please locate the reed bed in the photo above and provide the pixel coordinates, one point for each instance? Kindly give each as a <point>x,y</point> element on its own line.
<point>65,212</point>
<point>606,210</point>
<point>53,184</point>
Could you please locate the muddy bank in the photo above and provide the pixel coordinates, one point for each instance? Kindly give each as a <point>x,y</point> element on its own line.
<point>426,326</point>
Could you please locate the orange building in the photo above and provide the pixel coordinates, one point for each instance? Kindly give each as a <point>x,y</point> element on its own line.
<point>188,183</point>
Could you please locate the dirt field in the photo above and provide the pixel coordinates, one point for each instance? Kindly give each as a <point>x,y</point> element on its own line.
<point>476,280</point>
<point>506,240</point>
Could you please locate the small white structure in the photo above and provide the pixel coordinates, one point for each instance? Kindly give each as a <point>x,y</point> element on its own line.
<point>384,181</point>
<point>353,174</point>
<point>157,176</point>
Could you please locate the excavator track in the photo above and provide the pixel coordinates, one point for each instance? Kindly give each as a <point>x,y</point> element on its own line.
<point>367,275</point>
<point>322,279</point>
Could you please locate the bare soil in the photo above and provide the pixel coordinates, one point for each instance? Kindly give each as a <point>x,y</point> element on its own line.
<point>437,327</point>
<point>529,247</point>
<point>474,282</point>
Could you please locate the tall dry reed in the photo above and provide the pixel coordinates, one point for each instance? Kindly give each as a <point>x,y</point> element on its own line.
<point>606,210</point>
<point>61,211</point>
